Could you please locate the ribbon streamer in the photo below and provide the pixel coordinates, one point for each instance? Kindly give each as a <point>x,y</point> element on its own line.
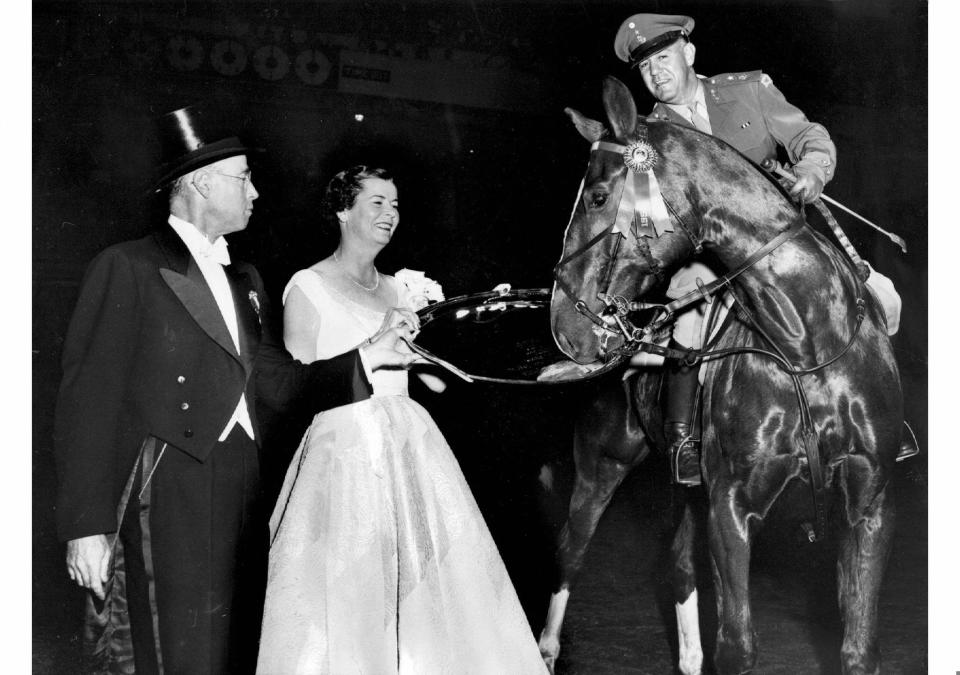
<point>648,215</point>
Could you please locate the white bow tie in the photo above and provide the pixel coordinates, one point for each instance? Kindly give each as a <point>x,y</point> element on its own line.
<point>217,251</point>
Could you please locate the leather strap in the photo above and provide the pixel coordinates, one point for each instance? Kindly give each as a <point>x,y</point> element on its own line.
<point>704,292</point>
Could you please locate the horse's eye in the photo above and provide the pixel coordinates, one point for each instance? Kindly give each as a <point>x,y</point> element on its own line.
<point>598,199</point>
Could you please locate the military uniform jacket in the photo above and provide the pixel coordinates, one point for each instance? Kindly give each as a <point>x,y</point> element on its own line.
<point>748,112</point>
<point>148,354</point>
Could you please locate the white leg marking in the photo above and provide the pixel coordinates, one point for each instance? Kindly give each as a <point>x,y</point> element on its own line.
<point>546,477</point>
<point>688,633</point>
<point>550,636</point>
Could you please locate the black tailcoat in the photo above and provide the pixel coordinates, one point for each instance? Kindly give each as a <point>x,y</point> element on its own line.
<point>148,358</point>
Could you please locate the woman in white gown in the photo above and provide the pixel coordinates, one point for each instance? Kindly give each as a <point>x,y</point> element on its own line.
<point>380,561</point>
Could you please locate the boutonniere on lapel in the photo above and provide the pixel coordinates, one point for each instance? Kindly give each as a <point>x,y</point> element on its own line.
<point>255,301</point>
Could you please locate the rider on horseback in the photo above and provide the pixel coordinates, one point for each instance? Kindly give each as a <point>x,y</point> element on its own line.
<point>747,111</point>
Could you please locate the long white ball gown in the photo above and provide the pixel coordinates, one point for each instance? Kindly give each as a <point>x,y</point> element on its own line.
<point>380,560</point>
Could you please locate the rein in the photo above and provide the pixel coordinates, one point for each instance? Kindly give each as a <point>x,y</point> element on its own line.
<point>705,291</point>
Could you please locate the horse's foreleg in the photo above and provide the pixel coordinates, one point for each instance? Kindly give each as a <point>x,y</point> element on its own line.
<point>685,593</point>
<point>730,541</point>
<point>550,635</point>
<point>864,546</point>
<point>591,495</point>
<point>688,634</point>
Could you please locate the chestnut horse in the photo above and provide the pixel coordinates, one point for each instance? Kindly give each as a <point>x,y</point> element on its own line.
<point>800,388</point>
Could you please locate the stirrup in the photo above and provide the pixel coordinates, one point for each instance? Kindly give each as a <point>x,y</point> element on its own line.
<point>909,447</point>
<point>689,446</point>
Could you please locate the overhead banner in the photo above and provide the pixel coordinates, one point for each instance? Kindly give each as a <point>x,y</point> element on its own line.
<point>440,81</point>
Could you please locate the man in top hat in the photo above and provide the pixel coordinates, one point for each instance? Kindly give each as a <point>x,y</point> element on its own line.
<point>168,351</point>
<point>747,111</point>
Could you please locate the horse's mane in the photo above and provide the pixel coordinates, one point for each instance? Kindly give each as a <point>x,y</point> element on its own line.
<point>685,129</point>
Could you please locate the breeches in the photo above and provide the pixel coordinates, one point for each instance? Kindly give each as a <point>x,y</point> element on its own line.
<point>688,328</point>
<point>195,544</point>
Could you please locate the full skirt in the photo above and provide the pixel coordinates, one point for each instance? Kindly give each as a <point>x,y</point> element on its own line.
<point>380,560</point>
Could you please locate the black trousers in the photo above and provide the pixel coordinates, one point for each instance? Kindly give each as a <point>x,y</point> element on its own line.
<point>195,542</point>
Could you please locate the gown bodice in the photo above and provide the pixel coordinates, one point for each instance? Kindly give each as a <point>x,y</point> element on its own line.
<point>344,324</point>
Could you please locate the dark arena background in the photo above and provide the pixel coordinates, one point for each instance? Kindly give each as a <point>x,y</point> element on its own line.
<point>464,101</point>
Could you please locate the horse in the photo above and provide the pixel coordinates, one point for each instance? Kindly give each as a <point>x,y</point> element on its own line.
<point>800,388</point>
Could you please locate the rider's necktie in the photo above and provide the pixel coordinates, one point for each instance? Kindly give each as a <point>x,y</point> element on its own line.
<point>699,121</point>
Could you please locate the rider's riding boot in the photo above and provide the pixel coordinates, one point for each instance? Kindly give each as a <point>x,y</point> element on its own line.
<point>684,453</point>
<point>679,397</point>
<point>908,443</point>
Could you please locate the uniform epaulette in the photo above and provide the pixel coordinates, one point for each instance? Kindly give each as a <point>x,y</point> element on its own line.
<point>738,78</point>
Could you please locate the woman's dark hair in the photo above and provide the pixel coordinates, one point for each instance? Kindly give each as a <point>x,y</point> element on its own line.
<point>342,190</point>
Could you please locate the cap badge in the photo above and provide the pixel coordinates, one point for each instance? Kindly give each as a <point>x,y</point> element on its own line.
<point>640,156</point>
<point>633,27</point>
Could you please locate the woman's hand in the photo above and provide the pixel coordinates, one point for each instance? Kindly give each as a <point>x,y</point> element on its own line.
<point>387,347</point>
<point>400,317</point>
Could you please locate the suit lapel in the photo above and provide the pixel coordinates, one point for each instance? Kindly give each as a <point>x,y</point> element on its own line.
<point>247,305</point>
<point>185,279</point>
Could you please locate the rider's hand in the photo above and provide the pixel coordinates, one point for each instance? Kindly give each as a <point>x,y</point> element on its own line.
<point>88,562</point>
<point>808,186</point>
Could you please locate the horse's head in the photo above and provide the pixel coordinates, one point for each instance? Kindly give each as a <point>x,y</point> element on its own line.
<point>621,236</point>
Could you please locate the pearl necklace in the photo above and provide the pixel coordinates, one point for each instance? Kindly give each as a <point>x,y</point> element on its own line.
<point>349,276</point>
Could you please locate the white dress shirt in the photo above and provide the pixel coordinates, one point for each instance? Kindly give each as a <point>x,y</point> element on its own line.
<point>210,258</point>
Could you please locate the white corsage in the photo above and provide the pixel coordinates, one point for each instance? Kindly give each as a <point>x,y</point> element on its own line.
<point>255,301</point>
<point>422,289</point>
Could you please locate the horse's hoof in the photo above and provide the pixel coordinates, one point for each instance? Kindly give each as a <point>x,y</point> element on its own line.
<point>549,651</point>
<point>692,664</point>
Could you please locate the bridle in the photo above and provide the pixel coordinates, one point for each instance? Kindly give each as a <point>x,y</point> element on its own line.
<point>641,213</point>
<point>640,158</point>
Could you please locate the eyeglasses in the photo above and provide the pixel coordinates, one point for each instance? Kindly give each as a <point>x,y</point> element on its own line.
<point>246,178</point>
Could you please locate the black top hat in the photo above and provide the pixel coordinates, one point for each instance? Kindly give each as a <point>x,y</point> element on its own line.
<point>190,138</point>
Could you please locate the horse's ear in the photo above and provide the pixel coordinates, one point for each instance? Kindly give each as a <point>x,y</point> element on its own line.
<point>590,129</point>
<point>621,110</point>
